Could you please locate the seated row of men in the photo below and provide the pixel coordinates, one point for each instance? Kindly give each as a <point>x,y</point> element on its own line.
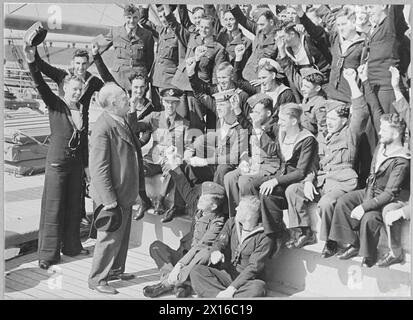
<point>275,139</point>
<point>295,175</point>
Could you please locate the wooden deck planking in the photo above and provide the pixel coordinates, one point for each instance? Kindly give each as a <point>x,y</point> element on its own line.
<point>25,280</point>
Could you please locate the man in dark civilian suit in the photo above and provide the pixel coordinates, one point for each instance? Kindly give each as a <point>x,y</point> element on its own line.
<point>114,172</point>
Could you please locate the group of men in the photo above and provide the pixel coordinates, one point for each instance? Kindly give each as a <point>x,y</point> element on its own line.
<point>312,107</point>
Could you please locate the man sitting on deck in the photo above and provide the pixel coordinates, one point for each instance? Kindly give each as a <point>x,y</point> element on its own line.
<point>175,265</point>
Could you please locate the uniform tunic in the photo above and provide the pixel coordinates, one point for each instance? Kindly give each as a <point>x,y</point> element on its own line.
<point>133,52</point>
<point>61,201</point>
<point>244,264</point>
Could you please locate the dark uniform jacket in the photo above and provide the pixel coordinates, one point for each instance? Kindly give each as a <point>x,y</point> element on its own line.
<point>338,87</point>
<point>304,159</point>
<point>227,40</point>
<point>337,165</point>
<point>266,148</point>
<point>167,55</point>
<point>215,55</point>
<point>314,115</point>
<point>286,95</point>
<point>131,54</point>
<point>317,60</point>
<point>202,88</point>
<point>384,44</point>
<point>91,85</point>
<point>59,153</point>
<point>264,45</point>
<point>245,259</point>
<point>390,182</point>
<point>191,195</point>
<point>164,136</point>
<point>206,230</point>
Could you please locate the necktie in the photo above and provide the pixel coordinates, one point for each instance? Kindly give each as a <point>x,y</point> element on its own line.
<point>168,122</point>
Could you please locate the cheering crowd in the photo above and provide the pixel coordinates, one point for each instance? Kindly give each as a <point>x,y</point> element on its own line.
<point>249,113</point>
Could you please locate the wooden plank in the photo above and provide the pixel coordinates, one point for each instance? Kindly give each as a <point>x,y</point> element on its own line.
<point>16,262</point>
<point>39,275</point>
<point>19,289</point>
<point>34,287</point>
<point>71,287</point>
<point>15,290</point>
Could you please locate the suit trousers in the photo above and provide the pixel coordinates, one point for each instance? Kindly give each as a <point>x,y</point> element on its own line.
<point>207,282</point>
<point>60,213</point>
<point>364,233</point>
<point>111,250</point>
<point>235,183</point>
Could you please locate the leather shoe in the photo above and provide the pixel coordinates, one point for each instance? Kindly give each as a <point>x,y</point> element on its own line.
<point>156,290</point>
<point>106,289</point>
<point>389,259</point>
<point>350,252</point>
<point>368,262</point>
<point>305,240</point>
<point>329,250</point>
<point>84,252</point>
<point>121,276</point>
<point>159,208</point>
<point>170,214</point>
<point>182,291</point>
<point>145,206</point>
<point>44,264</point>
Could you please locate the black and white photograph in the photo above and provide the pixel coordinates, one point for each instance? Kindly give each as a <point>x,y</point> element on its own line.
<point>222,151</point>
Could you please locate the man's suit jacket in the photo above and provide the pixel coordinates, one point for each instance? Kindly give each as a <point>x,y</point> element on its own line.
<point>113,163</point>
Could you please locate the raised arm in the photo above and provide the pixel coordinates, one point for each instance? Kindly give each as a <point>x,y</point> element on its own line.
<point>56,74</point>
<point>181,32</point>
<point>250,25</point>
<point>198,85</point>
<point>240,82</point>
<point>184,17</point>
<point>45,92</point>
<point>397,18</point>
<point>147,24</point>
<point>318,34</point>
<point>360,114</point>
<point>101,66</point>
